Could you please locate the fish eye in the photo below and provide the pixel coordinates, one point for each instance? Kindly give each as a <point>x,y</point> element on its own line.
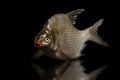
<point>47,39</point>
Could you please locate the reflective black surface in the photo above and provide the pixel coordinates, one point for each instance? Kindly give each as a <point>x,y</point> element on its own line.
<point>26,19</point>
<point>68,70</point>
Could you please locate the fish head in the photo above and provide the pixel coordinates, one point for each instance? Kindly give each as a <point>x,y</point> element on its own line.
<point>43,39</point>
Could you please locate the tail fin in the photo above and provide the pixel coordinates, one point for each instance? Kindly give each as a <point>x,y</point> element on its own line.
<point>94,74</point>
<point>93,33</point>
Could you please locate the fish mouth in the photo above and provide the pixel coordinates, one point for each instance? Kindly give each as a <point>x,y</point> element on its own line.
<point>38,43</point>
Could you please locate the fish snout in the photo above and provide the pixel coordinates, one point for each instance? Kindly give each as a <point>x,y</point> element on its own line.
<point>38,43</point>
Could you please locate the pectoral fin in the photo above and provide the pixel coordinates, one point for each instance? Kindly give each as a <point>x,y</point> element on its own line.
<point>62,69</point>
<point>38,69</point>
<point>38,54</point>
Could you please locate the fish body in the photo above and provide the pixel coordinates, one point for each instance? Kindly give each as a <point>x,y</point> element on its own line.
<point>64,40</point>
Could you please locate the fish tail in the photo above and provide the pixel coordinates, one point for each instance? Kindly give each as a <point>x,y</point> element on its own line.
<point>93,33</point>
<point>94,74</point>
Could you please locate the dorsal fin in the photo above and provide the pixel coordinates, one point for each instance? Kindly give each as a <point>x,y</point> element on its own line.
<point>73,14</point>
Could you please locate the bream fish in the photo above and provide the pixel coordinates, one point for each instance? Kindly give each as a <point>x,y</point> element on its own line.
<point>61,40</point>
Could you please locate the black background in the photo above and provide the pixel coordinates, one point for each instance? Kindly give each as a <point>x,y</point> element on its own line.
<point>26,19</point>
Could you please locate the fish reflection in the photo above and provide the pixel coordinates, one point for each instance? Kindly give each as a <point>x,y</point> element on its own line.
<point>69,70</point>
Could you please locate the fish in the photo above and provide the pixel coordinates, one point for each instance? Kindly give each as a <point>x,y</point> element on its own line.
<point>68,70</point>
<point>60,39</point>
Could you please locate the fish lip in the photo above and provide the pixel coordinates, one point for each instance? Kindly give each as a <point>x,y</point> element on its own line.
<point>38,43</point>
<point>37,46</point>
